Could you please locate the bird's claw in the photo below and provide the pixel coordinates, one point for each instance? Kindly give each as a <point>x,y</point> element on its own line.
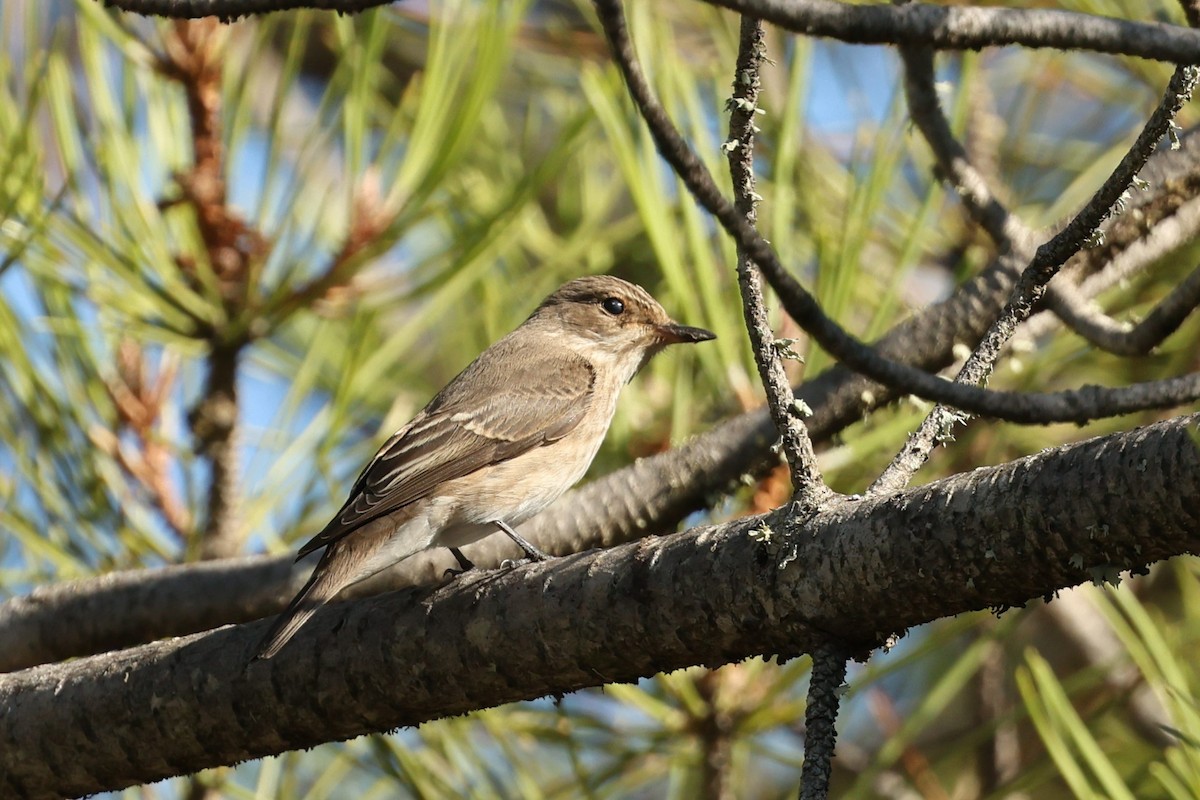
<point>464,564</point>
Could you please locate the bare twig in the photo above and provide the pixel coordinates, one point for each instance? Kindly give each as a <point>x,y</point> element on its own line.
<point>809,488</point>
<point>974,27</point>
<point>1078,313</point>
<point>820,718</point>
<point>229,10</point>
<point>1132,249</point>
<point>1014,242</point>
<point>1010,234</point>
<point>1083,316</point>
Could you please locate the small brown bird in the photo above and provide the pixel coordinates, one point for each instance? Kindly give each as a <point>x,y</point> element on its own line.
<point>506,437</point>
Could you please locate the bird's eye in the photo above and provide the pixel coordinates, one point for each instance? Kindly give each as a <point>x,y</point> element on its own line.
<point>613,306</point>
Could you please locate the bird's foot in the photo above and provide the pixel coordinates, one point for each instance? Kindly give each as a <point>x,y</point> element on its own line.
<point>465,564</point>
<point>531,552</point>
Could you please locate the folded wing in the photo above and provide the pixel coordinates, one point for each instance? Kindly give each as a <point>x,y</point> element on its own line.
<point>481,418</point>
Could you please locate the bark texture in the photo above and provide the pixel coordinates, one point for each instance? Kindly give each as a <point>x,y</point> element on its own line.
<point>992,538</point>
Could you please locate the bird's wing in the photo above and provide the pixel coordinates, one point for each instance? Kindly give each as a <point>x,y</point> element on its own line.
<point>496,409</point>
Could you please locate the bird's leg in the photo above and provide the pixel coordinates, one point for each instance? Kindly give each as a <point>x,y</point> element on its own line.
<point>531,552</point>
<point>464,564</point>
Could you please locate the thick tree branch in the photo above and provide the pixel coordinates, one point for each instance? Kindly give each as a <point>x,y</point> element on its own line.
<point>991,538</point>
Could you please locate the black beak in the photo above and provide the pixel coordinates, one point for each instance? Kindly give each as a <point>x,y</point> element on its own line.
<point>673,333</point>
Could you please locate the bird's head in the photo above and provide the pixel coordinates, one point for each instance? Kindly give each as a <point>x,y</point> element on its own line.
<point>613,318</point>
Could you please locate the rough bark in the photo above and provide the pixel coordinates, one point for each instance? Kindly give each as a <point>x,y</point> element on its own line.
<point>992,538</point>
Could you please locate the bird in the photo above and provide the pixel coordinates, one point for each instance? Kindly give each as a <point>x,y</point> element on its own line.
<point>502,441</point>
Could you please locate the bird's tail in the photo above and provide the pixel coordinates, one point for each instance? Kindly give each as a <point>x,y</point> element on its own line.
<point>352,558</point>
<point>319,590</point>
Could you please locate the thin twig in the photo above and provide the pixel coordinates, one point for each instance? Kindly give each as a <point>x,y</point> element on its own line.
<point>1077,311</point>
<point>1006,229</point>
<point>1014,242</point>
<point>975,27</point>
<point>230,10</point>
<point>785,411</point>
<point>1082,315</point>
<point>820,718</point>
<point>1133,255</point>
